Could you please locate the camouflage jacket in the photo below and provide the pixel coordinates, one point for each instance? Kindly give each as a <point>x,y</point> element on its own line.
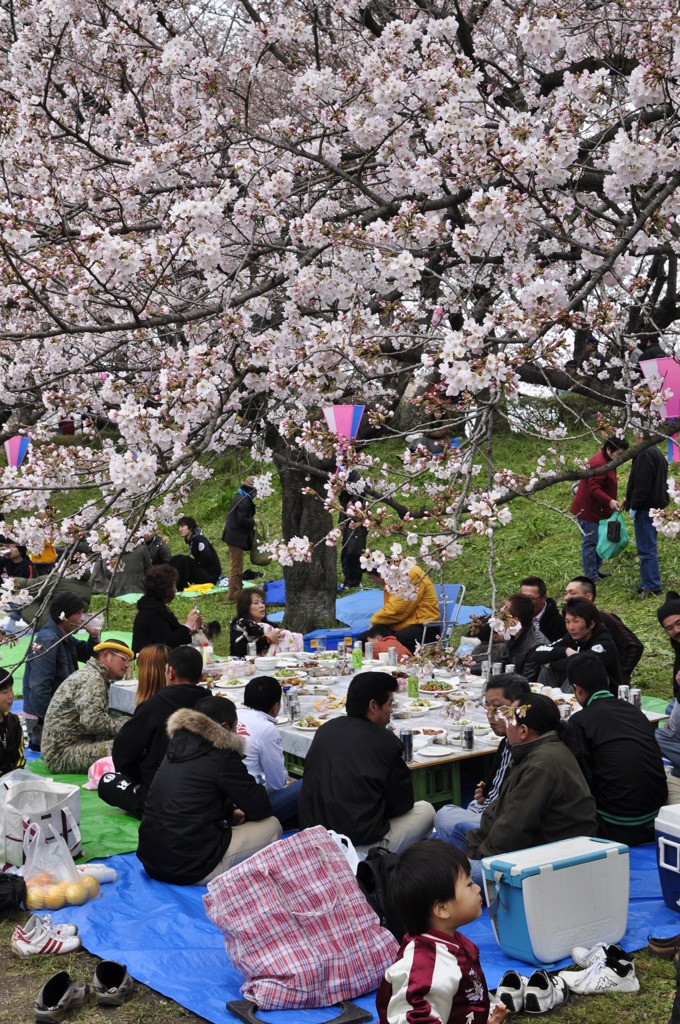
<point>79,712</point>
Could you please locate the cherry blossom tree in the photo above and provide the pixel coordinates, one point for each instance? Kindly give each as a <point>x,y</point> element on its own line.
<point>218,217</point>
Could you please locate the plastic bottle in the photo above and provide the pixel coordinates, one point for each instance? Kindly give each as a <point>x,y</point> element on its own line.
<point>208,653</point>
<point>357,656</point>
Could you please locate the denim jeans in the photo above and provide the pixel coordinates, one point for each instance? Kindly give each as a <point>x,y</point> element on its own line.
<point>284,802</point>
<point>589,556</point>
<point>645,542</point>
<point>457,836</point>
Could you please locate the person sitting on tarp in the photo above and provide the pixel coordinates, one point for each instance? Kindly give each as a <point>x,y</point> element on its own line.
<point>78,728</point>
<point>383,638</point>
<point>407,614</point>
<point>545,797</point>
<point>356,780</point>
<point>11,733</point>
<point>154,622</point>
<point>140,746</point>
<point>202,564</point>
<point>615,747</point>
<point>52,657</point>
<point>264,751</point>
<point>204,812</point>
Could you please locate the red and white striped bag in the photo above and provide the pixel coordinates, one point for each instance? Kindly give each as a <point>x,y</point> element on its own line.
<point>297,926</point>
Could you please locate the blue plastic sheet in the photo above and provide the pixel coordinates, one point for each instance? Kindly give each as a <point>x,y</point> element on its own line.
<point>275,592</point>
<point>163,935</point>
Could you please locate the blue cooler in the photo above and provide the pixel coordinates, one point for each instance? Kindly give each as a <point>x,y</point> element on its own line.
<point>548,899</point>
<point>667,828</point>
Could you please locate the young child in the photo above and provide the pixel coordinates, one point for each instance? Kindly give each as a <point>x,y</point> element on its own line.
<point>11,734</point>
<point>437,978</point>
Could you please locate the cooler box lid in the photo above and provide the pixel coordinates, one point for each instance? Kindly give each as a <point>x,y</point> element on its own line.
<point>668,818</point>
<point>537,860</point>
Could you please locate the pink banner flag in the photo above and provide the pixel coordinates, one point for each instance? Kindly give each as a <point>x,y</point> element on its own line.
<point>673,450</point>
<point>15,449</point>
<point>344,420</point>
<point>661,374</point>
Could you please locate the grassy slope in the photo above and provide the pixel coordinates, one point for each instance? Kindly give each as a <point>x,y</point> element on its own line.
<point>537,541</point>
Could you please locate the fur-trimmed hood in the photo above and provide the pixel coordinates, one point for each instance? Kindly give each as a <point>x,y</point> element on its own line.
<point>207,729</point>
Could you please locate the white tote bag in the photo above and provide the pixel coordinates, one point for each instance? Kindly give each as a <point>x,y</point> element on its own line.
<point>42,802</point>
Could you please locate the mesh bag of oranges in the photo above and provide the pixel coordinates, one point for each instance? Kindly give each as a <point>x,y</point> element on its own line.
<point>52,879</point>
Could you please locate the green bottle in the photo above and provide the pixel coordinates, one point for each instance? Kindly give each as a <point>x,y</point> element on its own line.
<point>357,656</point>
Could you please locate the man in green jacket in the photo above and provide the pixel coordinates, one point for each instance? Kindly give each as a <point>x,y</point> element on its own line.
<point>78,728</point>
<point>544,798</point>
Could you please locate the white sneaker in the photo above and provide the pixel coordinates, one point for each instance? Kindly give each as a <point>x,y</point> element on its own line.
<point>543,993</point>
<point>510,991</point>
<point>45,922</point>
<point>602,976</point>
<point>584,957</point>
<point>42,939</point>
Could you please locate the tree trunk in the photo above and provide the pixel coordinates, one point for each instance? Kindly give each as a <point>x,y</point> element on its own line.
<point>311,587</point>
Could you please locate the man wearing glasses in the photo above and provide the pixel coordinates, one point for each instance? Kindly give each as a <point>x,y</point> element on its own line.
<point>78,728</point>
<point>452,822</point>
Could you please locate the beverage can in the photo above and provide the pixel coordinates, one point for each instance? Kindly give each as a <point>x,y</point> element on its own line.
<point>392,655</point>
<point>467,737</point>
<point>406,737</point>
<point>294,708</point>
<point>413,686</point>
<point>636,697</point>
<point>496,668</point>
<point>624,693</point>
<point>252,649</point>
<point>565,711</point>
<point>368,650</point>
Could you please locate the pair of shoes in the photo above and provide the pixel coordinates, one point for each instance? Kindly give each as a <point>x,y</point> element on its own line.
<point>112,983</point>
<point>58,995</point>
<point>608,969</point>
<point>41,936</point>
<point>663,947</point>
<point>112,986</point>
<point>649,593</point>
<point>536,994</point>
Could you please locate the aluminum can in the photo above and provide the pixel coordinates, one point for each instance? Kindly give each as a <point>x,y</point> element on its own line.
<point>496,668</point>
<point>467,737</point>
<point>624,693</point>
<point>368,650</point>
<point>252,649</point>
<point>636,697</point>
<point>565,711</point>
<point>391,655</point>
<point>406,737</point>
<point>294,708</point>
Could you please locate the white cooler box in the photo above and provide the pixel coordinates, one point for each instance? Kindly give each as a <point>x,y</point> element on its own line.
<point>667,830</point>
<point>546,900</point>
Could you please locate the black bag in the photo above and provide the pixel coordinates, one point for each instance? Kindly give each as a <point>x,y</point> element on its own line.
<point>12,891</point>
<point>373,876</point>
<point>614,531</point>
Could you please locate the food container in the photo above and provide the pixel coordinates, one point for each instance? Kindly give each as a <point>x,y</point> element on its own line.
<point>265,664</point>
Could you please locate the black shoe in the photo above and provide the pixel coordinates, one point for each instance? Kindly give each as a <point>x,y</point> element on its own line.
<point>604,575</point>
<point>249,574</point>
<point>58,995</point>
<point>112,984</point>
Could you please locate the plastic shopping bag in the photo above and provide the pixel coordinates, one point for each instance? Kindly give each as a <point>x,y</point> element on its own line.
<point>612,536</point>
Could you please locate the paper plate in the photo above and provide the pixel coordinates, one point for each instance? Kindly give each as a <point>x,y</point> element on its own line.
<point>438,750</point>
<point>417,709</point>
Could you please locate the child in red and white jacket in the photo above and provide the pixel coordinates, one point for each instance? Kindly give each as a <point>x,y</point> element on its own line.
<point>437,978</point>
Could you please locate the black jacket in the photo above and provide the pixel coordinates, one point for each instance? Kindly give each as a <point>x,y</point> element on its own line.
<point>140,746</point>
<point>675,644</point>
<point>185,829</point>
<point>156,624</point>
<point>11,743</point>
<point>204,554</point>
<point>159,551</point>
<point>615,747</point>
<point>355,780</point>
<point>629,647</point>
<point>551,623</point>
<point>647,484</point>
<point>239,529</point>
<point>600,643</point>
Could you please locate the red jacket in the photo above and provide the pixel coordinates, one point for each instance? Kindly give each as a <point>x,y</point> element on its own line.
<point>591,501</point>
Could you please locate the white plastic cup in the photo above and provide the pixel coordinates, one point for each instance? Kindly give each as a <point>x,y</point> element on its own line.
<point>384,657</point>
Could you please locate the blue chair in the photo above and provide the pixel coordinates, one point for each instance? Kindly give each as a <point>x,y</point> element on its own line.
<point>450,597</point>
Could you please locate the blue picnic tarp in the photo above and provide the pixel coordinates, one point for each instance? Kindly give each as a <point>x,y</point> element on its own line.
<point>162,933</point>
